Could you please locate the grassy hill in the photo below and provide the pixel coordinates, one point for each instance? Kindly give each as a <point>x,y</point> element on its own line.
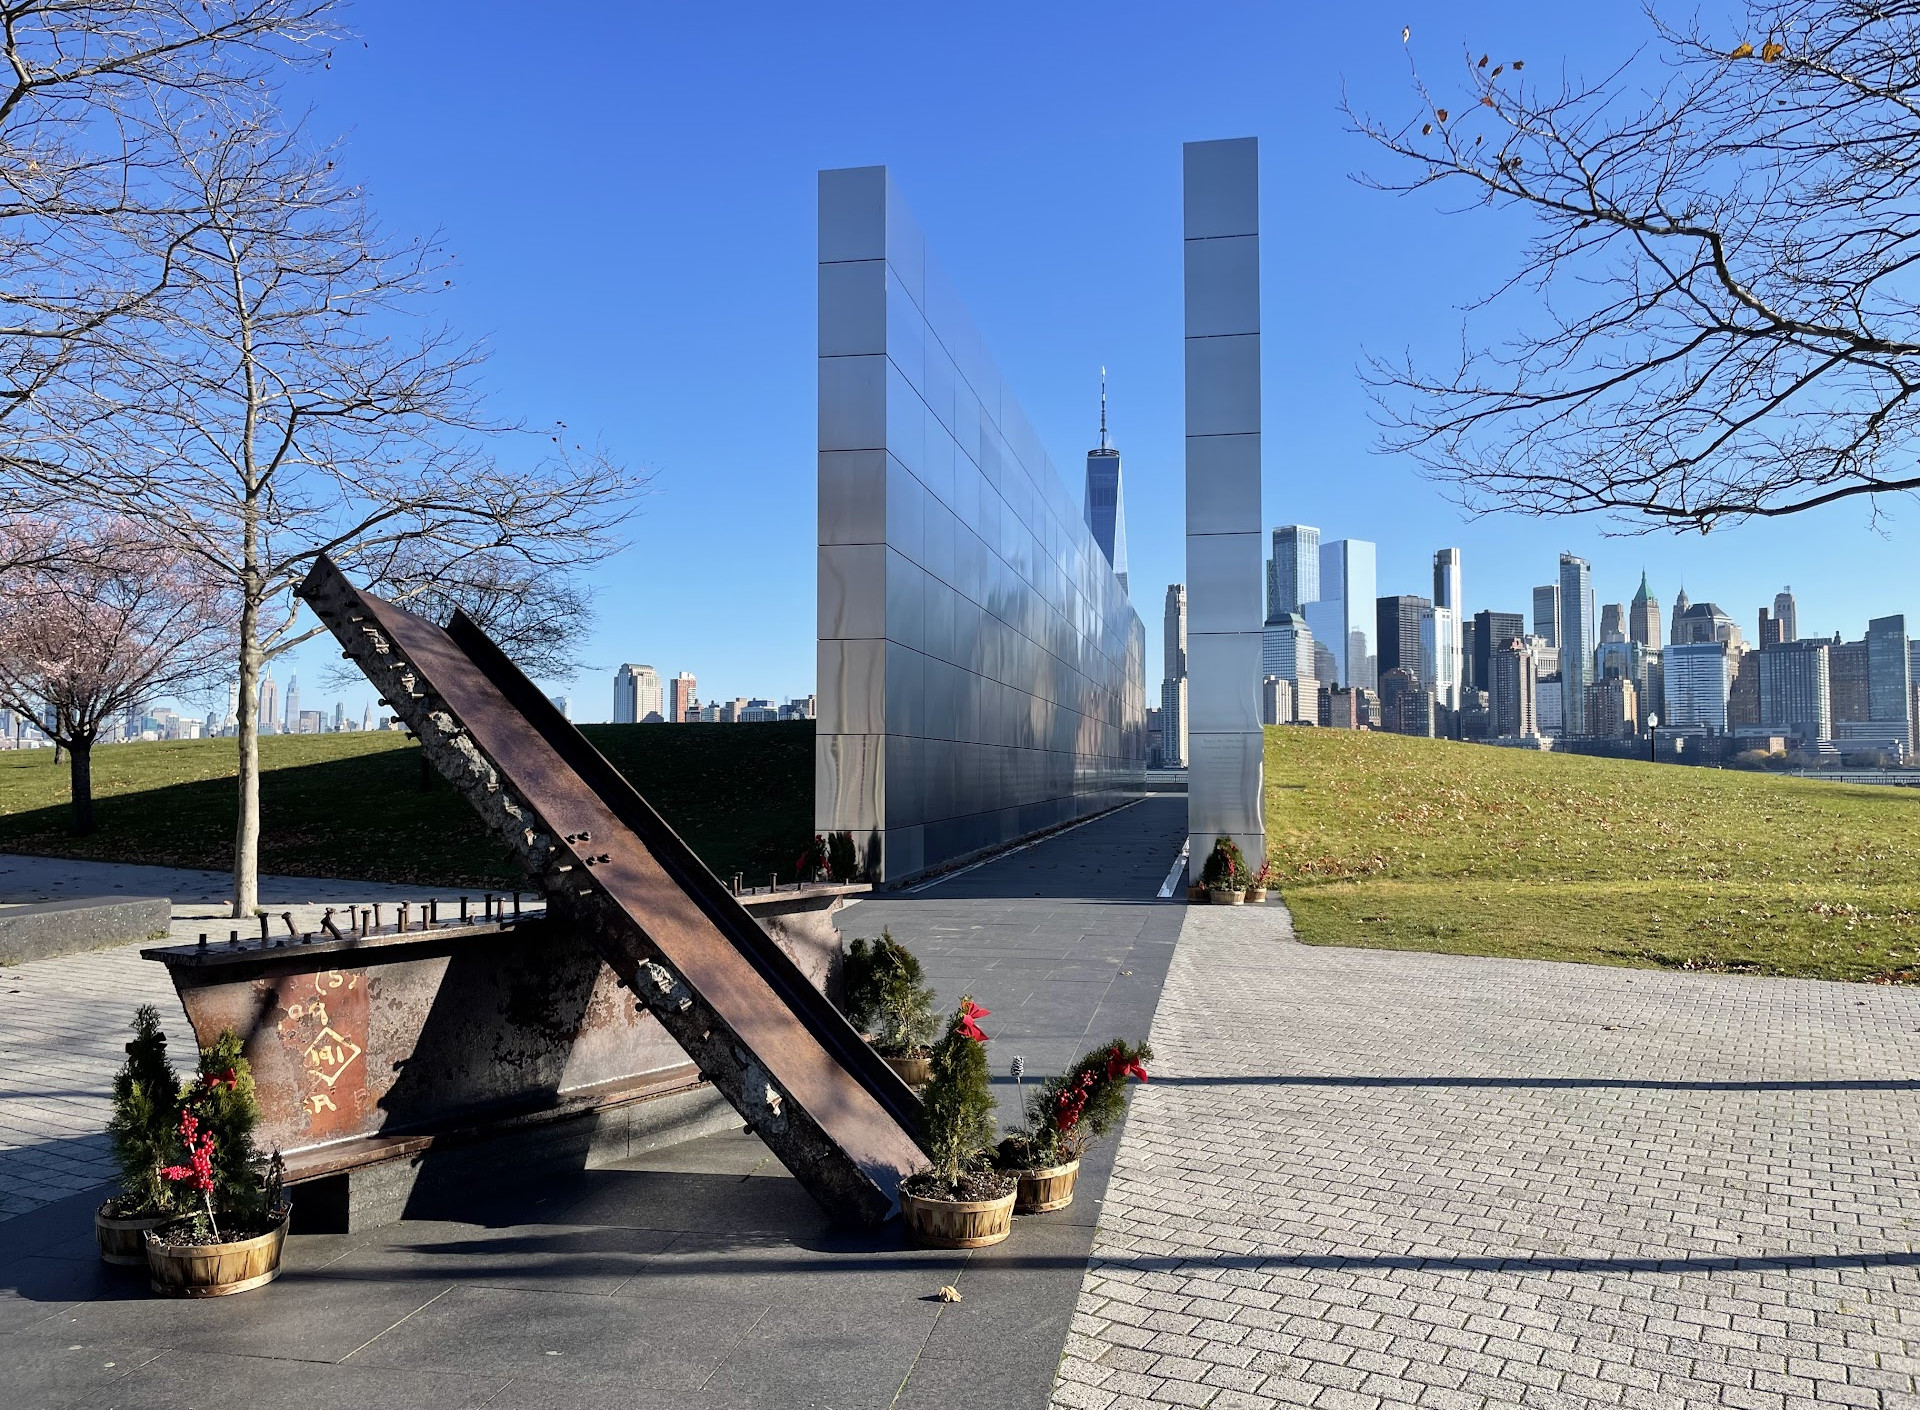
<point>1428,845</point>
<point>352,805</point>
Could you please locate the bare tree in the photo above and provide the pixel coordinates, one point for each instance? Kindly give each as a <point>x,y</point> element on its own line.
<point>104,621</point>
<point>1716,315</point>
<point>79,208</point>
<point>286,398</point>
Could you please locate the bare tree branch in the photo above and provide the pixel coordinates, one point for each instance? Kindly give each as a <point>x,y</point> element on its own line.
<point>1715,316</point>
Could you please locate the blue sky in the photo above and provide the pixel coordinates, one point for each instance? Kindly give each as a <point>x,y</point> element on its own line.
<point>629,190</point>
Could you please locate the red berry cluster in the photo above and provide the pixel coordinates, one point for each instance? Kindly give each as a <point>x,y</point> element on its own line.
<point>199,1169</point>
<point>1071,1102</point>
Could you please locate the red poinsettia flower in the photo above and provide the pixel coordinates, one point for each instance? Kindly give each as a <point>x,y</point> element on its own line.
<point>970,1012</point>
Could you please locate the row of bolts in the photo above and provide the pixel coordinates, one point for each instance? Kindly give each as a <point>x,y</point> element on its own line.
<point>367,920</point>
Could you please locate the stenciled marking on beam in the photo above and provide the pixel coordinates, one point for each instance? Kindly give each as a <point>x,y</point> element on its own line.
<point>1031,842</point>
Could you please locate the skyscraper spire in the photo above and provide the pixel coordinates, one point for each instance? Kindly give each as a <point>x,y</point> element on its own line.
<point>1103,410</point>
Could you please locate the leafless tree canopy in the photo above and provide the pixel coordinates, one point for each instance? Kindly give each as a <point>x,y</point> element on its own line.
<point>1716,315</point>
<point>82,217</point>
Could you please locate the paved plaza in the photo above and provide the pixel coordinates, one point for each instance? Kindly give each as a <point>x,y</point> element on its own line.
<point>1358,1178</point>
<point>1363,1178</point>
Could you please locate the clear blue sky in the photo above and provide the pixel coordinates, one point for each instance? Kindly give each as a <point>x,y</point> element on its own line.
<point>630,191</point>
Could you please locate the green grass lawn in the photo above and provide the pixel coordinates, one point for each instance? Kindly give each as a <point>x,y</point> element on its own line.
<point>351,805</point>
<point>1421,844</point>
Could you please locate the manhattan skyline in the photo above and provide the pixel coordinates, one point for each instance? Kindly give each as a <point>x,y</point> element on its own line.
<point>669,105</point>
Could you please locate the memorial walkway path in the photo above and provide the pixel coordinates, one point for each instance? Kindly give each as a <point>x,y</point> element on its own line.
<point>1366,1178</point>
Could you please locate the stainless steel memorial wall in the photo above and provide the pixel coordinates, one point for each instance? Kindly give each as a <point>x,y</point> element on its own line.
<point>1225,746</point>
<point>982,673</point>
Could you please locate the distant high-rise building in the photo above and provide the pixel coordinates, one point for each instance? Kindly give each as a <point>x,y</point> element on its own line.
<point>1576,640</point>
<point>366,716</point>
<point>1447,594</point>
<point>1680,606</point>
<point>1106,510</point>
<point>1889,674</point>
<point>1491,631</point>
<point>1787,613</point>
<point>1847,680</point>
<point>1743,695</point>
<point>267,721</point>
<point>1613,708</point>
<point>1549,702</point>
<point>1546,614</point>
<point>1397,634</point>
<point>1276,701</point>
<point>682,698</point>
<point>564,704</point>
<point>1698,681</point>
<point>1511,697</point>
<point>1769,629</point>
<point>1704,621</point>
<point>1643,615</point>
<point>339,716</point>
<point>636,695</point>
<point>1439,655</point>
<point>1286,652</point>
<point>1173,723</point>
<point>1613,622</point>
<point>292,723</point>
<point>1343,618</point>
<point>1796,694</point>
<point>1406,706</point>
<point>1293,573</point>
<point>1173,686</point>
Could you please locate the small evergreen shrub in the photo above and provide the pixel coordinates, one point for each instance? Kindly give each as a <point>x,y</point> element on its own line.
<point>220,1179</point>
<point>887,998</point>
<point>146,1116</point>
<point>1071,1111</point>
<point>1226,868</point>
<point>957,1122</point>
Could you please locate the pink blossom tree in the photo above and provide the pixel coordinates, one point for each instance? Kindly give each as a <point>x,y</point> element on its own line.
<point>94,620</point>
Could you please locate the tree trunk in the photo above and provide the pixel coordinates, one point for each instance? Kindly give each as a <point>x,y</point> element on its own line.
<point>80,771</point>
<point>246,835</point>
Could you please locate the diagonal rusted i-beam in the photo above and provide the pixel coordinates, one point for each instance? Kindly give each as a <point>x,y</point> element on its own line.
<point>824,1103</point>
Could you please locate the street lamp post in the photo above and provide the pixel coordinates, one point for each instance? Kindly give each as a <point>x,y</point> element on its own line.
<point>1653,734</point>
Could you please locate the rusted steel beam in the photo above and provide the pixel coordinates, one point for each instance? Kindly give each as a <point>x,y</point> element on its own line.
<point>754,1024</point>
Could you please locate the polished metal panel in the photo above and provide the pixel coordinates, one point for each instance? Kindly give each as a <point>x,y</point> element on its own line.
<point>1223,286</point>
<point>1223,585</point>
<point>1224,601</point>
<point>1220,189</point>
<point>1223,385</point>
<point>1222,472</point>
<point>1000,666</point>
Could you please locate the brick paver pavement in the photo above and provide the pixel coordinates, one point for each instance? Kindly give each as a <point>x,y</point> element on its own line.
<point>1364,1178</point>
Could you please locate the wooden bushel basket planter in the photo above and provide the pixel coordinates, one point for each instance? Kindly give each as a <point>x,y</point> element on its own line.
<point>972,1223</point>
<point>1222,896</point>
<point>1256,895</point>
<point>123,1242</point>
<point>1047,1188</point>
<point>914,1071</point>
<point>215,1270</point>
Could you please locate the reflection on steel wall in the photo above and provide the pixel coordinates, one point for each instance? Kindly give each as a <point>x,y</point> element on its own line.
<point>982,674</point>
<point>1225,765</point>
